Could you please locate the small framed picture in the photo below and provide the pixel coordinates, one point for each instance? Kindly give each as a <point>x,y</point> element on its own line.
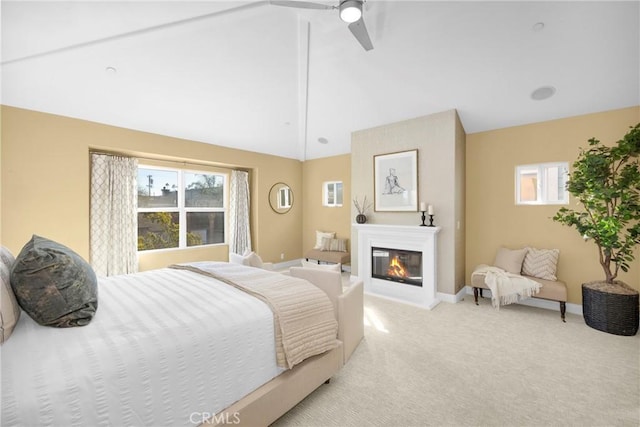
<point>396,182</point>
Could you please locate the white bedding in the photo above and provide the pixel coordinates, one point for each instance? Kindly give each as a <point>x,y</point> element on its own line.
<point>164,348</point>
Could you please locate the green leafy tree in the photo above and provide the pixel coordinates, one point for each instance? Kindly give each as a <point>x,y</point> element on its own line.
<point>167,237</point>
<point>606,182</point>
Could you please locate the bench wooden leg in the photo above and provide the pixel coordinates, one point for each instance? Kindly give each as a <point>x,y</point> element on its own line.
<point>563,310</point>
<point>475,294</point>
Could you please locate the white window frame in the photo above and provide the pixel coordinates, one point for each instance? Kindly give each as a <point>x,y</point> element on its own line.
<point>182,210</point>
<point>542,183</point>
<point>326,190</point>
<point>284,198</point>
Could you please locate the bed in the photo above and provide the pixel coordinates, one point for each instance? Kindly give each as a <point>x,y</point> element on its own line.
<point>174,346</point>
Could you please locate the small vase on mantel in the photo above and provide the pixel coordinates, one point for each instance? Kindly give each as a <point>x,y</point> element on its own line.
<point>361,208</point>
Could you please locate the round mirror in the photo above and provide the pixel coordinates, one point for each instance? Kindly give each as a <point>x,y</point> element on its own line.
<point>280,198</point>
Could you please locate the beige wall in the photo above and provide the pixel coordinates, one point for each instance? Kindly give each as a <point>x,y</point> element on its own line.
<point>44,167</point>
<point>493,219</point>
<point>439,139</point>
<point>45,184</point>
<point>323,218</point>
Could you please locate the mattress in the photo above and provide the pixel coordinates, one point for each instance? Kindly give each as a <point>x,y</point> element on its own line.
<point>166,347</point>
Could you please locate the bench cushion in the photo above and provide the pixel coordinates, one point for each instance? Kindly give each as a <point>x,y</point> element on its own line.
<point>551,290</point>
<point>329,256</point>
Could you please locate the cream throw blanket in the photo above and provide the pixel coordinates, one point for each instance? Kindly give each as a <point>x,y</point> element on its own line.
<point>303,314</point>
<point>506,288</point>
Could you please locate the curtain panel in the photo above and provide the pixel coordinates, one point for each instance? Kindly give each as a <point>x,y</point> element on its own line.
<point>239,213</point>
<point>114,217</point>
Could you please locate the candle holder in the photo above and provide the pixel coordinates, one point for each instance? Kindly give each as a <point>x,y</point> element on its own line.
<point>430,221</point>
<point>423,219</point>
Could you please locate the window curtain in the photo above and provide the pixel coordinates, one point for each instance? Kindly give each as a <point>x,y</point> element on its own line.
<point>239,231</point>
<point>114,218</point>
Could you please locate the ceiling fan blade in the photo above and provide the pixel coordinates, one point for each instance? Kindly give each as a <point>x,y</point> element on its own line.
<point>359,30</point>
<point>300,4</point>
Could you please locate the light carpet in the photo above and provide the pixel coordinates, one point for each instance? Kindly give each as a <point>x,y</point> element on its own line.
<point>467,365</point>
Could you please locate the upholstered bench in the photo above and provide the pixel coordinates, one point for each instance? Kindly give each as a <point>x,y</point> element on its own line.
<point>328,256</point>
<point>531,263</point>
<point>328,248</point>
<point>550,290</point>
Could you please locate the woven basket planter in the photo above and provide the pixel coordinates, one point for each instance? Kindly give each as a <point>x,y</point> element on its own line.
<point>610,312</point>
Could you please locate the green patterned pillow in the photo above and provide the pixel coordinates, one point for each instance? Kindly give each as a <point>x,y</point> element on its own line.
<point>54,285</point>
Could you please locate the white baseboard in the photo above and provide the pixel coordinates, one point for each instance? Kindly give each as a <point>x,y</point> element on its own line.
<point>537,302</point>
<point>452,299</point>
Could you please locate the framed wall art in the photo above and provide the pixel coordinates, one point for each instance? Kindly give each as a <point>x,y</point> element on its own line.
<point>396,181</point>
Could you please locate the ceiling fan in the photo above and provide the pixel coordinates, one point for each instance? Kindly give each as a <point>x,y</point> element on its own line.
<point>350,12</point>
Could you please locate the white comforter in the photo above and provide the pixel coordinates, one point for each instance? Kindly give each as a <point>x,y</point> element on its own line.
<point>166,347</point>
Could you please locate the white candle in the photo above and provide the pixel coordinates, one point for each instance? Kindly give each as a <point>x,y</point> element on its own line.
<point>430,212</point>
<point>422,207</point>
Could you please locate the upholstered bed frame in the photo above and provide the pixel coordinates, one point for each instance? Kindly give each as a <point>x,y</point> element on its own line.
<point>270,401</point>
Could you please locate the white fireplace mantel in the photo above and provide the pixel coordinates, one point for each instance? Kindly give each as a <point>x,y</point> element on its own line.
<point>407,237</point>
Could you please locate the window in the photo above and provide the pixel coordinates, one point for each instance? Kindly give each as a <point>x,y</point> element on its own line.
<point>284,198</point>
<point>332,193</point>
<point>542,184</point>
<point>179,208</point>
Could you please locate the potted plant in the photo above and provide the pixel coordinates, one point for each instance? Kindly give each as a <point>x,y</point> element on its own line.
<point>606,182</point>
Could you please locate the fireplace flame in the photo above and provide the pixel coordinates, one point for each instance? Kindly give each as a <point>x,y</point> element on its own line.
<point>396,268</point>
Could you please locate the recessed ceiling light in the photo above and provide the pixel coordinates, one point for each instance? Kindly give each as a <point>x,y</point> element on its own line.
<point>538,26</point>
<point>323,140</point>
<point>543,92</point>
<point>110,70</point>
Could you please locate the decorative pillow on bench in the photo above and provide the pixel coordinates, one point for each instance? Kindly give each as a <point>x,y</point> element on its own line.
<point>333,245</point>
<point>323,235</point>
<point>541,263</point>
<point>510,260</point>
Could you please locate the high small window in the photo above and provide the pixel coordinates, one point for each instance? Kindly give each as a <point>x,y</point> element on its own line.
<point>542,184</point>
<point>179,208</point>
<point>332,193</point>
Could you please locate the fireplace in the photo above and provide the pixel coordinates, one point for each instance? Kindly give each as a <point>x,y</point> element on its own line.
<point>396,265</point>
<point>379,244</point>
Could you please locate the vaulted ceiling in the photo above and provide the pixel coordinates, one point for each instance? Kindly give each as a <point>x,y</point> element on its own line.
<point>296,83</point>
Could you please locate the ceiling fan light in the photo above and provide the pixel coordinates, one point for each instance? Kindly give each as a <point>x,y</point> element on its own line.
<point>350,10</point>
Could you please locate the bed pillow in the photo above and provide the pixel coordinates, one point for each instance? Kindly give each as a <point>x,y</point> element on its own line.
<point>322,234</point>
<point>10,310</point>
<point>327,267</point>
<point>254,260</point>
<point>54,285</point>
<point>510,260</point>
<point>541,263</point>
<point>334,245</point>
<point>249,258</point>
